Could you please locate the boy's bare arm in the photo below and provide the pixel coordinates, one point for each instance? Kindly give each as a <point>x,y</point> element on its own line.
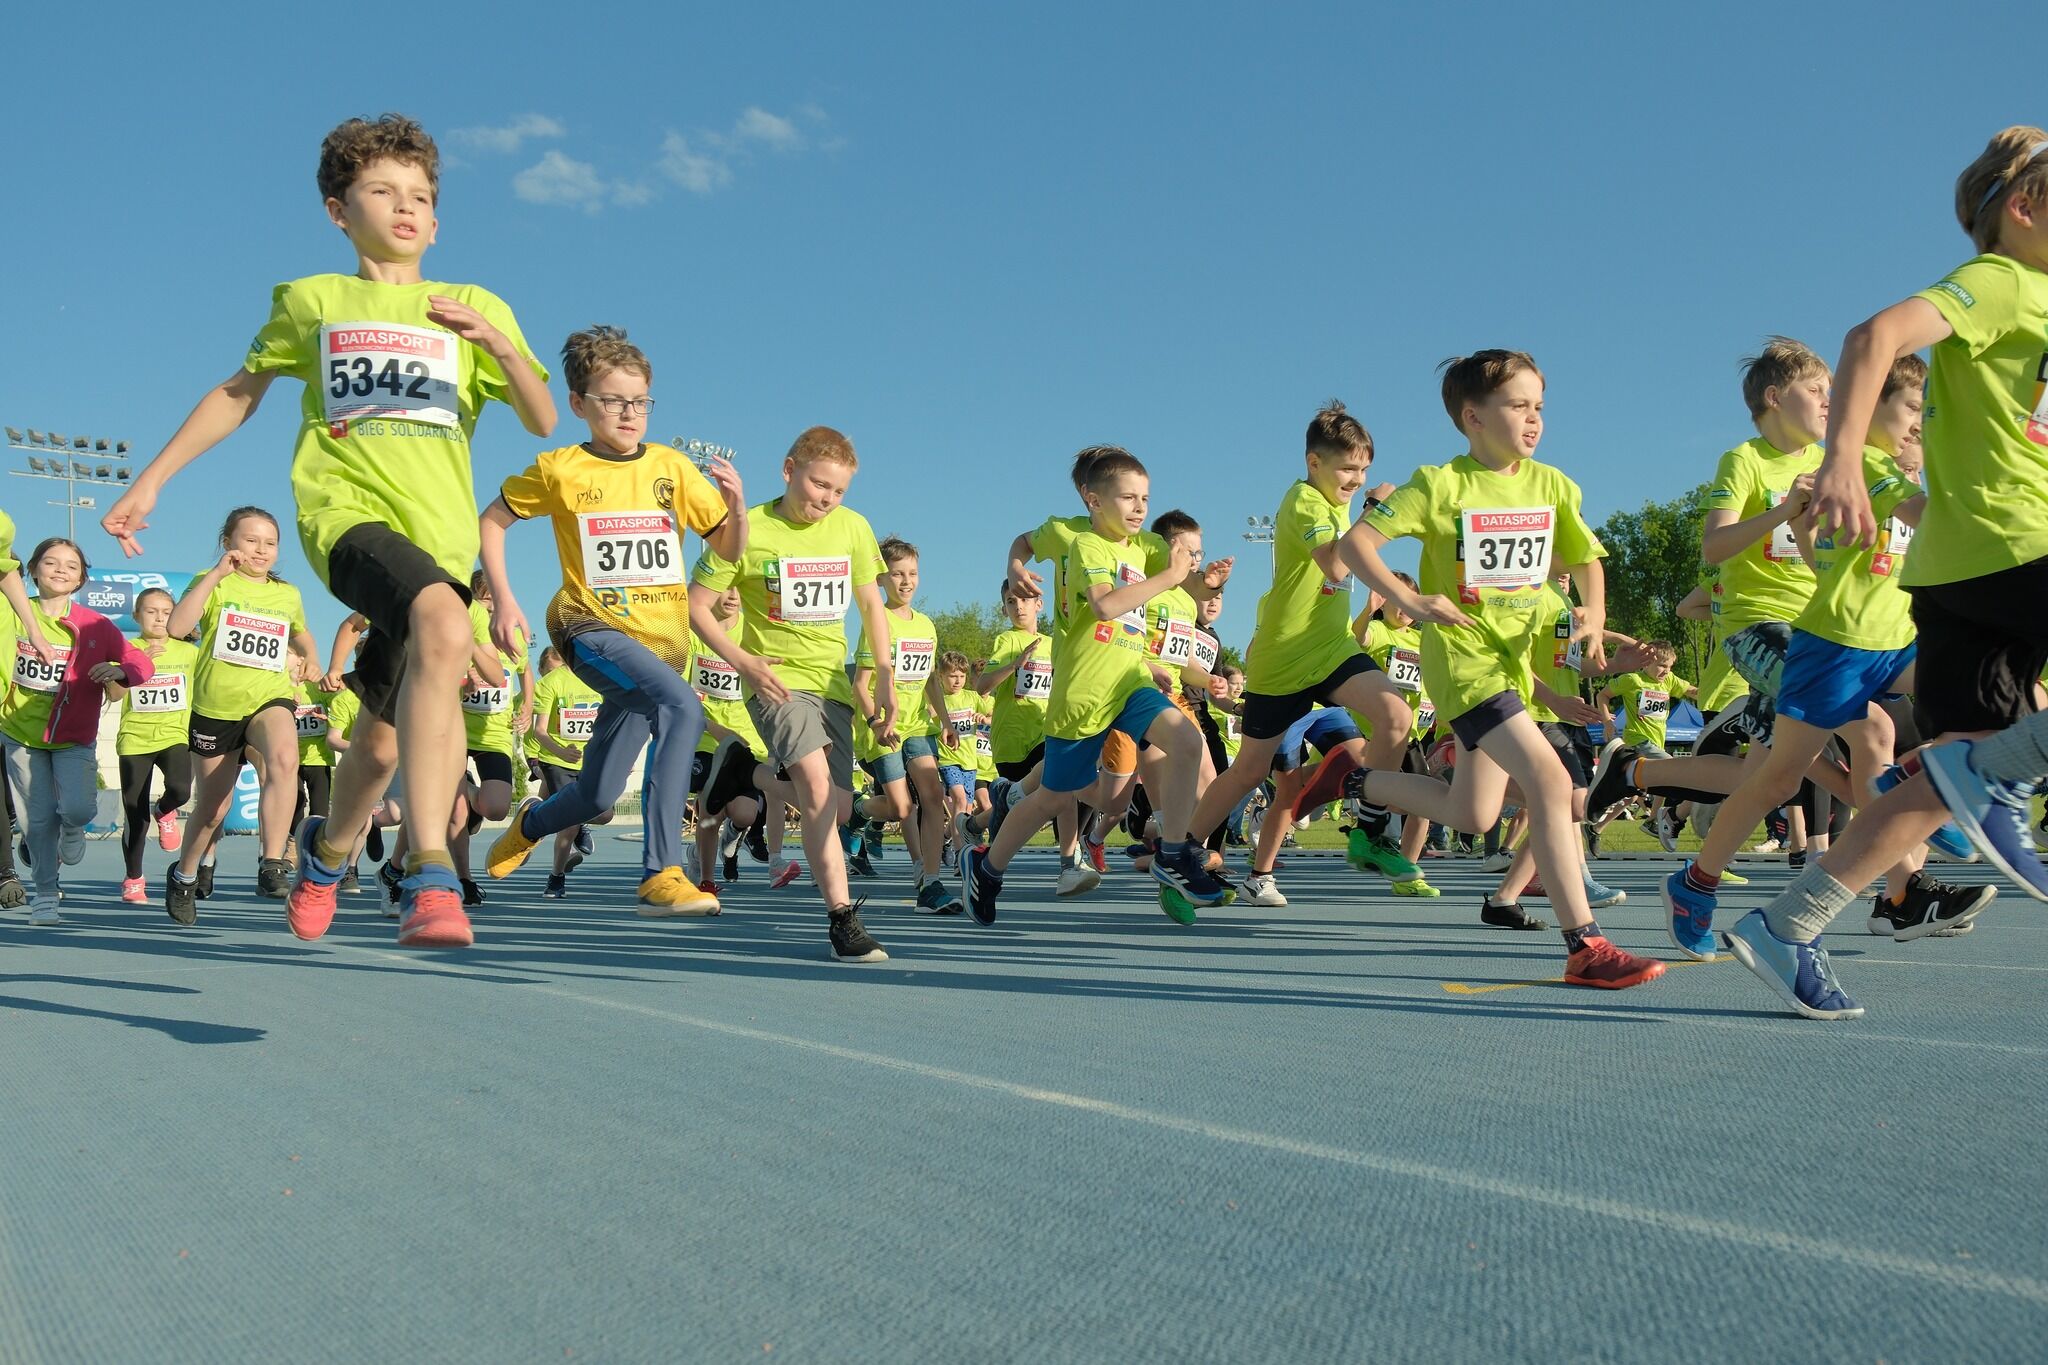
<point>224,408</point>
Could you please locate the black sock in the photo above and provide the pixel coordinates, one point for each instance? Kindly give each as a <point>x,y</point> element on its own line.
<point>1575,939</point>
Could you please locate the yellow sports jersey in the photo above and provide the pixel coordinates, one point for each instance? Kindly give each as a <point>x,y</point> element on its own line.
<point>619,522</point>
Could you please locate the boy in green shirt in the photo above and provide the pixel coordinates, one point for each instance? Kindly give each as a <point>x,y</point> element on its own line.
<point>396,370</point>
<point>1491,522</point>
<point>809,558</point>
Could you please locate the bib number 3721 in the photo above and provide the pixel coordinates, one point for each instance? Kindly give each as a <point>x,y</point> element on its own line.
<point>630,550</point>
<point>385,369</point>
<point>1506,547</point>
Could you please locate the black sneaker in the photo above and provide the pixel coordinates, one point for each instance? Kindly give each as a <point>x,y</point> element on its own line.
<point>273,879</point>
<point>757,841</point>
<point>373,844</point>
<point>13,895</point>
<point>731,867</point>
<point>585,844</point>
<point>557,887</point>
<point>203,887</point>
<point>979,887</point>
<point>857,862</point>
<point>1884,916</point>
<point>1507,915</point>
<point>472,894</point>
<point>874,840</point>
<point>851,942</point>
<point>389,877</point>
<point>1796,860</point>
<point>181,899</point>
<point>1610,784</point>
<point>1934,907</point>
<point>730,774</point>
<point>1184,867</point>
<point>1592,840</point>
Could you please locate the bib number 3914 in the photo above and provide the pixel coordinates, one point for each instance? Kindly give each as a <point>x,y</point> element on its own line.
<point>1506,547</point>
<point>385,369</point>
<point>630,550</point>
<point>251,639</point>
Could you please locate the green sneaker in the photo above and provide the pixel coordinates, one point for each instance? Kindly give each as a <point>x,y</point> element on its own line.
<point>1416,887</point>
<point>1178,908</point>
<point>1368,854</point>
<point>1731,879</point>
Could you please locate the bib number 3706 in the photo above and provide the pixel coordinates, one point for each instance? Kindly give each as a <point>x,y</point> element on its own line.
<point>631,550</point>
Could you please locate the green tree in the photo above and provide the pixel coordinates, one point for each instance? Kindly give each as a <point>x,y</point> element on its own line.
<point>1653,562</point>
<point>969,627</point>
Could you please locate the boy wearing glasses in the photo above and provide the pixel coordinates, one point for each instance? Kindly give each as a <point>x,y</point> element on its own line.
<point>621,621</point>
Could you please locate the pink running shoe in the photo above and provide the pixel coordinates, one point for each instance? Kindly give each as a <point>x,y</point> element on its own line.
<point>167,836</point>
<point>431,902</point>
<point>785,874</point>
<point>135,891</point>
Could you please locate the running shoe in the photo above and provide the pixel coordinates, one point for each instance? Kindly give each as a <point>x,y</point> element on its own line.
<point>1600,964</point>
<point>1598,895</point>
<point>668,893</point>
<point>168,836</point>
<point>1796,860</point>
<point>855,848</point>
<point>1610,784</point>
<point>350,882</point>
<point>1666,829</point>
<point>874,838</point>
<point>1995,816</point>
<point>70,844</point>
<point>389,877</point>
<point>729,843</point>
<point>1076,879</point>
<point>757,841</point>
<point>1934,907</point>
<point>785,874</point>
<point>181,898</point>
<point>309,904</point>
<point>557,887</point>
<point>1536,890</point>
<point>430,908</point>
<point>693,863</point>
<point>1184,868</point>
<point>43,910</point>
<point>1948,841</point>
<point>1001,796</point>
<point>851,941</point>
<point>203,884</point>
<point>1499,861</point>
<point>1507,915</point>
<point>1800,973</point>
<point>1369,854</point>
<point>585,844</point>
<point>1592,841</point>
<point>1729,877</point>
<point>1096,854</point>
<point>134,891</point>
<point>273,878</point>
<point>1261,889</point>
<point>13,895</point>
<point>1703,813</point>
<point>472,894</point>
<point>934,899</point>
<point>730,868</point>
<point>1690,921</point>
<point>963,834</point>
<point>513,847</point>
<point>1769,846</point>
<point>979,887</point>
<point>1416,887</point>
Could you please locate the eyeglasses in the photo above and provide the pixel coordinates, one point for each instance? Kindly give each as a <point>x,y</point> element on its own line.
<point>617,406</point>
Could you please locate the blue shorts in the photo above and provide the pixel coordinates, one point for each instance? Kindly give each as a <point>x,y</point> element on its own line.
<point>955,776</point>
<point>1070,764</point>
<point>1827,685</point>
<point>1322,729</point>
<point>892,767</point>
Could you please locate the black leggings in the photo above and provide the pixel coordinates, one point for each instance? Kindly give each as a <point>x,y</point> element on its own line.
<point>137,770</point>
<point>316,783</point>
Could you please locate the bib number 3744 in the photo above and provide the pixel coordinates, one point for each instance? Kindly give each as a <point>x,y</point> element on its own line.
<point>1506,547</point>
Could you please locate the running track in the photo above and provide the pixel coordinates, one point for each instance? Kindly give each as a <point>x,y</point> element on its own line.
<point>1085,1133</point>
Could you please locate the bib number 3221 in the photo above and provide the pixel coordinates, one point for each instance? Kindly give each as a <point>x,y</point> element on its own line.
<point>630,550</point>
<point>386,369</point>
<point>1506,547</point>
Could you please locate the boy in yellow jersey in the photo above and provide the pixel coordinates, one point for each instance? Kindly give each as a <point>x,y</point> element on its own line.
<point>397,370</point>
<point>1646,696</point>
<point>913,759</point>
<point>1490,523</point>
<point>620,508</point>
<point>1302,653</point>
<point>984,756</point>
<point>808,559</point>
<point>1101,683</point>
<point>1390,638</point>
<point>564,718</point>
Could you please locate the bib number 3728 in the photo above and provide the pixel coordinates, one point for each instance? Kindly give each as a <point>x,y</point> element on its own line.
<point>385,369</point>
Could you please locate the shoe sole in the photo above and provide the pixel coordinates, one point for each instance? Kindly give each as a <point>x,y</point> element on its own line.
<point>875,956</point>
<point>499,870</point>
<point>1092,879</point>
<point>687,910</point>
<point>1609,754</point>
<point>1606,902</point>
<point>308,832</point>
<point>1422,891</point>
<point>1671,912</point>
<point>1973,829</point>
<point>1650,972</point>
<point>437,935</point>
<point>1935,928</point>
<point>1747,958</point>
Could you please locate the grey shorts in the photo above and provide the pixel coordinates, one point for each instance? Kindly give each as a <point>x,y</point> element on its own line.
<point>803,725</point>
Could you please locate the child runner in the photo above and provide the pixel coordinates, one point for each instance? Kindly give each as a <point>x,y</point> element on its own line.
<point>731,741</point>
<point>809,558</point>
<point>959,741</point>
<point>344,709</point>
<point>621,616</point>
<point>50,717</point>
<point>488,709</point>
<point>1389,636</point>
<point>396,371</point>
<point>1646,696</point>
<point>1018,681</point>
<point>12,894</point>
<point>1491,522</point>
<point>564,718</point>
<point>1978,570</point>
<point>155,724</point>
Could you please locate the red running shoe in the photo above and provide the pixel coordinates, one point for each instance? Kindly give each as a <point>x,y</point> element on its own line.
<point>167,836</point>
<point>1600,963</point>
<point>1098,856</point>
<point>430,903</point>
<point>309,905</point>
<point>1328,783</point>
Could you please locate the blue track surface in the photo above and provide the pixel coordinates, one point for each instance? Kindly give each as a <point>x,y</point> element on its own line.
<point>1083,1133</point>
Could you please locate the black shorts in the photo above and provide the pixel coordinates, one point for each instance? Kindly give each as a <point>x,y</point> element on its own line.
<point>1574,747</point>
<point>1983,643</point>
<point>554,779</point>
<point>1021,769</point>
<point>700,768</point>
<point>210,738</point>
<point>1483,719</point>
<point>491,766</point>
<point>378,572</point>
<point>1267,716</point>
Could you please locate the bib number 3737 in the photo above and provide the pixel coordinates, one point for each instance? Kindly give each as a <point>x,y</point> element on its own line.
<point>630,550</point>
<point>385,369</point>
<point>1506,547</point>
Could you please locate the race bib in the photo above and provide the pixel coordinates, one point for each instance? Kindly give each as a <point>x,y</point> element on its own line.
<point>630,550</point>
<point>1652,704</point>
<point>310,721</point>
<point>578,724</point>
<point>1034,680</point>
<point>1404,670</point>
<point>1177,644</point>
<point>1783,546</point>
<point>486,701</point>
<point>163,693</point>
<point>962,722</point>
<point>1425,716</point>
<point>1126,575</point>
<point>251,639</point>
<point>913,660</point>
<point>716,679</point>
<point>814,591</point>
<point>387,369</point>
<point>1891,553</point>
<point>1505,547</point>
<point>984,739</point>
<point>33,674</point>
<point>1205,651</point>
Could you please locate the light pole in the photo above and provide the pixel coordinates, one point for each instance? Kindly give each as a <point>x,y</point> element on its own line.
<point>1261,532</point>
<point>75,460</point>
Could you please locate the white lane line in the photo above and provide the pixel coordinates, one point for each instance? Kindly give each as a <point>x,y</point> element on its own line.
<point>2021,1287</point>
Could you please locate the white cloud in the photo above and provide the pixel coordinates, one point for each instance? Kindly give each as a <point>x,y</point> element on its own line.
<point>697,172</point>
<point>507,138</point>
<point>558,179</point>
<point>758,125</point>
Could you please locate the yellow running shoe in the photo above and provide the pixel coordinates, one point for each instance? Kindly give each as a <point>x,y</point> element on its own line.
<point>1732,879</point>
<point>1415,886</point>
<point>510,852</point>
<point>670,892</point>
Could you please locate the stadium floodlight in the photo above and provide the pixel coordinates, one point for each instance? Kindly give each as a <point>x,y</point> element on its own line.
<point>120,447</point>
<point>100,445</point>
<point>36,464</point>
<point>58,441</point>
<point>122,473</point>
<point>82,442</point>
<point>105,471</point>
<point>35,438</point>
<point>14,434</point>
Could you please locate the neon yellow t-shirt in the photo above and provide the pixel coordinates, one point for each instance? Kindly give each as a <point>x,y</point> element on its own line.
<point>1020,699</point>
<point>311,719</point>
<point>245,630</point>
<point>487,711</point>
<point>984,738</point>
<point>565,708</point>
<point>796,586</point>
<point>1097,665</point>
<point>1399,655</point>
<point>914,653</point>
<point>1554,656</point>
<point>1986,425</point>
<point>1304,622</point>
<point>1647,702</point>
<point>158,714</point>
<point>1489,540</point>
<point>965,717</point>
<point>25,710</point>
<point>1055,537</point>
<point>390,405</point>
<point>718,683</point>
<point>1720,684</point>
<point>1856,597</point>
<point>344,709</point>
<point>8,563</point>
<point>1170,632</point>
<point>1767,581</point>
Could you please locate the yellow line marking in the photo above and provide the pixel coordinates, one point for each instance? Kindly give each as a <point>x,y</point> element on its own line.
<point>1460,988</point>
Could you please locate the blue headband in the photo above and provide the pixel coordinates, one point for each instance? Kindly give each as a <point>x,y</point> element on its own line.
<point>1998,185</point>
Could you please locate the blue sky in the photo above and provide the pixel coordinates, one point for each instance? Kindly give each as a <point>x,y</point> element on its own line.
<point>977,238</point>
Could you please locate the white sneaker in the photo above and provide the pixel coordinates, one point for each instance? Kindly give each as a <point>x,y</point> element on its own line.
<point>71,845</point>
<point>1260,889</point>
<point>1768,846</point>
<point>693,866</point>
<point>1667,833</point>
<point>1497,862</point>
<point>1077,880</point>
<point>43,910</point>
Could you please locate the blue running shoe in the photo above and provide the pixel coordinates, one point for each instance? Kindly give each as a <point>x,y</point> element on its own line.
<point>1948,841</point>
<point>1993,815</point>
<point>979,887</point>
<point>1798,972</point>
<point>1184,867</point>
<point>1001,797</point>
<point>1598,895</point>
<point>1691,921</point>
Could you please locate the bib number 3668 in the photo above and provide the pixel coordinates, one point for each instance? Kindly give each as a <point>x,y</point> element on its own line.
<point>252,640</point>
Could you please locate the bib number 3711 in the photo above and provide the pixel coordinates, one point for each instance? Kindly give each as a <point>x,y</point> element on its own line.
<point>816,591</point>
<point>386,369</point>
